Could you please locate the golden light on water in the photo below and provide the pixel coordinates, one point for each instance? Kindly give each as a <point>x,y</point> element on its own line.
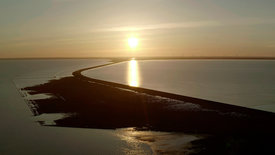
<point>133,42</point>
<point>133,73</point>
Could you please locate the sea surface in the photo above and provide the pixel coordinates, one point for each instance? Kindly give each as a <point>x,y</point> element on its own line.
<point>21,133</point>
<point>247,83</point>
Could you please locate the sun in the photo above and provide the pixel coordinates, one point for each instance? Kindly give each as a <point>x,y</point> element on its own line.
<point>133,42</point>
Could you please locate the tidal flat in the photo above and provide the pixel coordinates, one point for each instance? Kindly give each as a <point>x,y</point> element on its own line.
<point>92,103</point>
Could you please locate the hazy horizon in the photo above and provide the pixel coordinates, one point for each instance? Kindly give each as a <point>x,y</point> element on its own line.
<point>82,28</point>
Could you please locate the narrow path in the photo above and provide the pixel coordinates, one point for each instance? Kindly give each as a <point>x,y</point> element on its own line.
<point>78,72</point>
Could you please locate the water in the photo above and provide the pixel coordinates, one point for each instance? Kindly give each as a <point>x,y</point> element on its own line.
<point>21,134</point>
<point>248,83</point>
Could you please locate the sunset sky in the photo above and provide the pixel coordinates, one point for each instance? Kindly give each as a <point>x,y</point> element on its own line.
<point>86,28</point>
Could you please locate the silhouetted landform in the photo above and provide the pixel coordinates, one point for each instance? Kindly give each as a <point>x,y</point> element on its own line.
<point>93,103</point>
<point>101,104</point>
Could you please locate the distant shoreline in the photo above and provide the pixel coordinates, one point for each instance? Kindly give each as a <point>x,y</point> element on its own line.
<point>144,58</point>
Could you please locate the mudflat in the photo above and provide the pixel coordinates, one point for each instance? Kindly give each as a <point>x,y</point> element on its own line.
<point>92,103</point>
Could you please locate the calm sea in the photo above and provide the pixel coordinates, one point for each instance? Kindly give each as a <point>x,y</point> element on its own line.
<point>248,83</point>
<point>18,125</point>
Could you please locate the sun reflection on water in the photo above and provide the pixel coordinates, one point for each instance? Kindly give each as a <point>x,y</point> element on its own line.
<point>133,73</point>
<point>165,142</point>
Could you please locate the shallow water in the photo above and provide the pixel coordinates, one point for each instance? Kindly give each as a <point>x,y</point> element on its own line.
<point>248,83</point>
<point>160,142</point>
<point>19,131</point>
<point>215,80</point>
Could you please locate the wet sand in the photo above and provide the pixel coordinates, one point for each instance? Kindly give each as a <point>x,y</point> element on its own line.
<point>92,103</point>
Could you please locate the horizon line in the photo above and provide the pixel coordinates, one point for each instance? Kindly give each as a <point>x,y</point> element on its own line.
<point>148,57</point>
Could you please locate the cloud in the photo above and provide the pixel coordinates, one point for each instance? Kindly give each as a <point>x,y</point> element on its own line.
<point>160,26</point>
<point>58,1</point>
<point>249,21</point>
<point>194,24</point>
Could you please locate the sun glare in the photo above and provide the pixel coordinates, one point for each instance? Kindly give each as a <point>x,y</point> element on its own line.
<point>133,73</point>
<point>133,42</point>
